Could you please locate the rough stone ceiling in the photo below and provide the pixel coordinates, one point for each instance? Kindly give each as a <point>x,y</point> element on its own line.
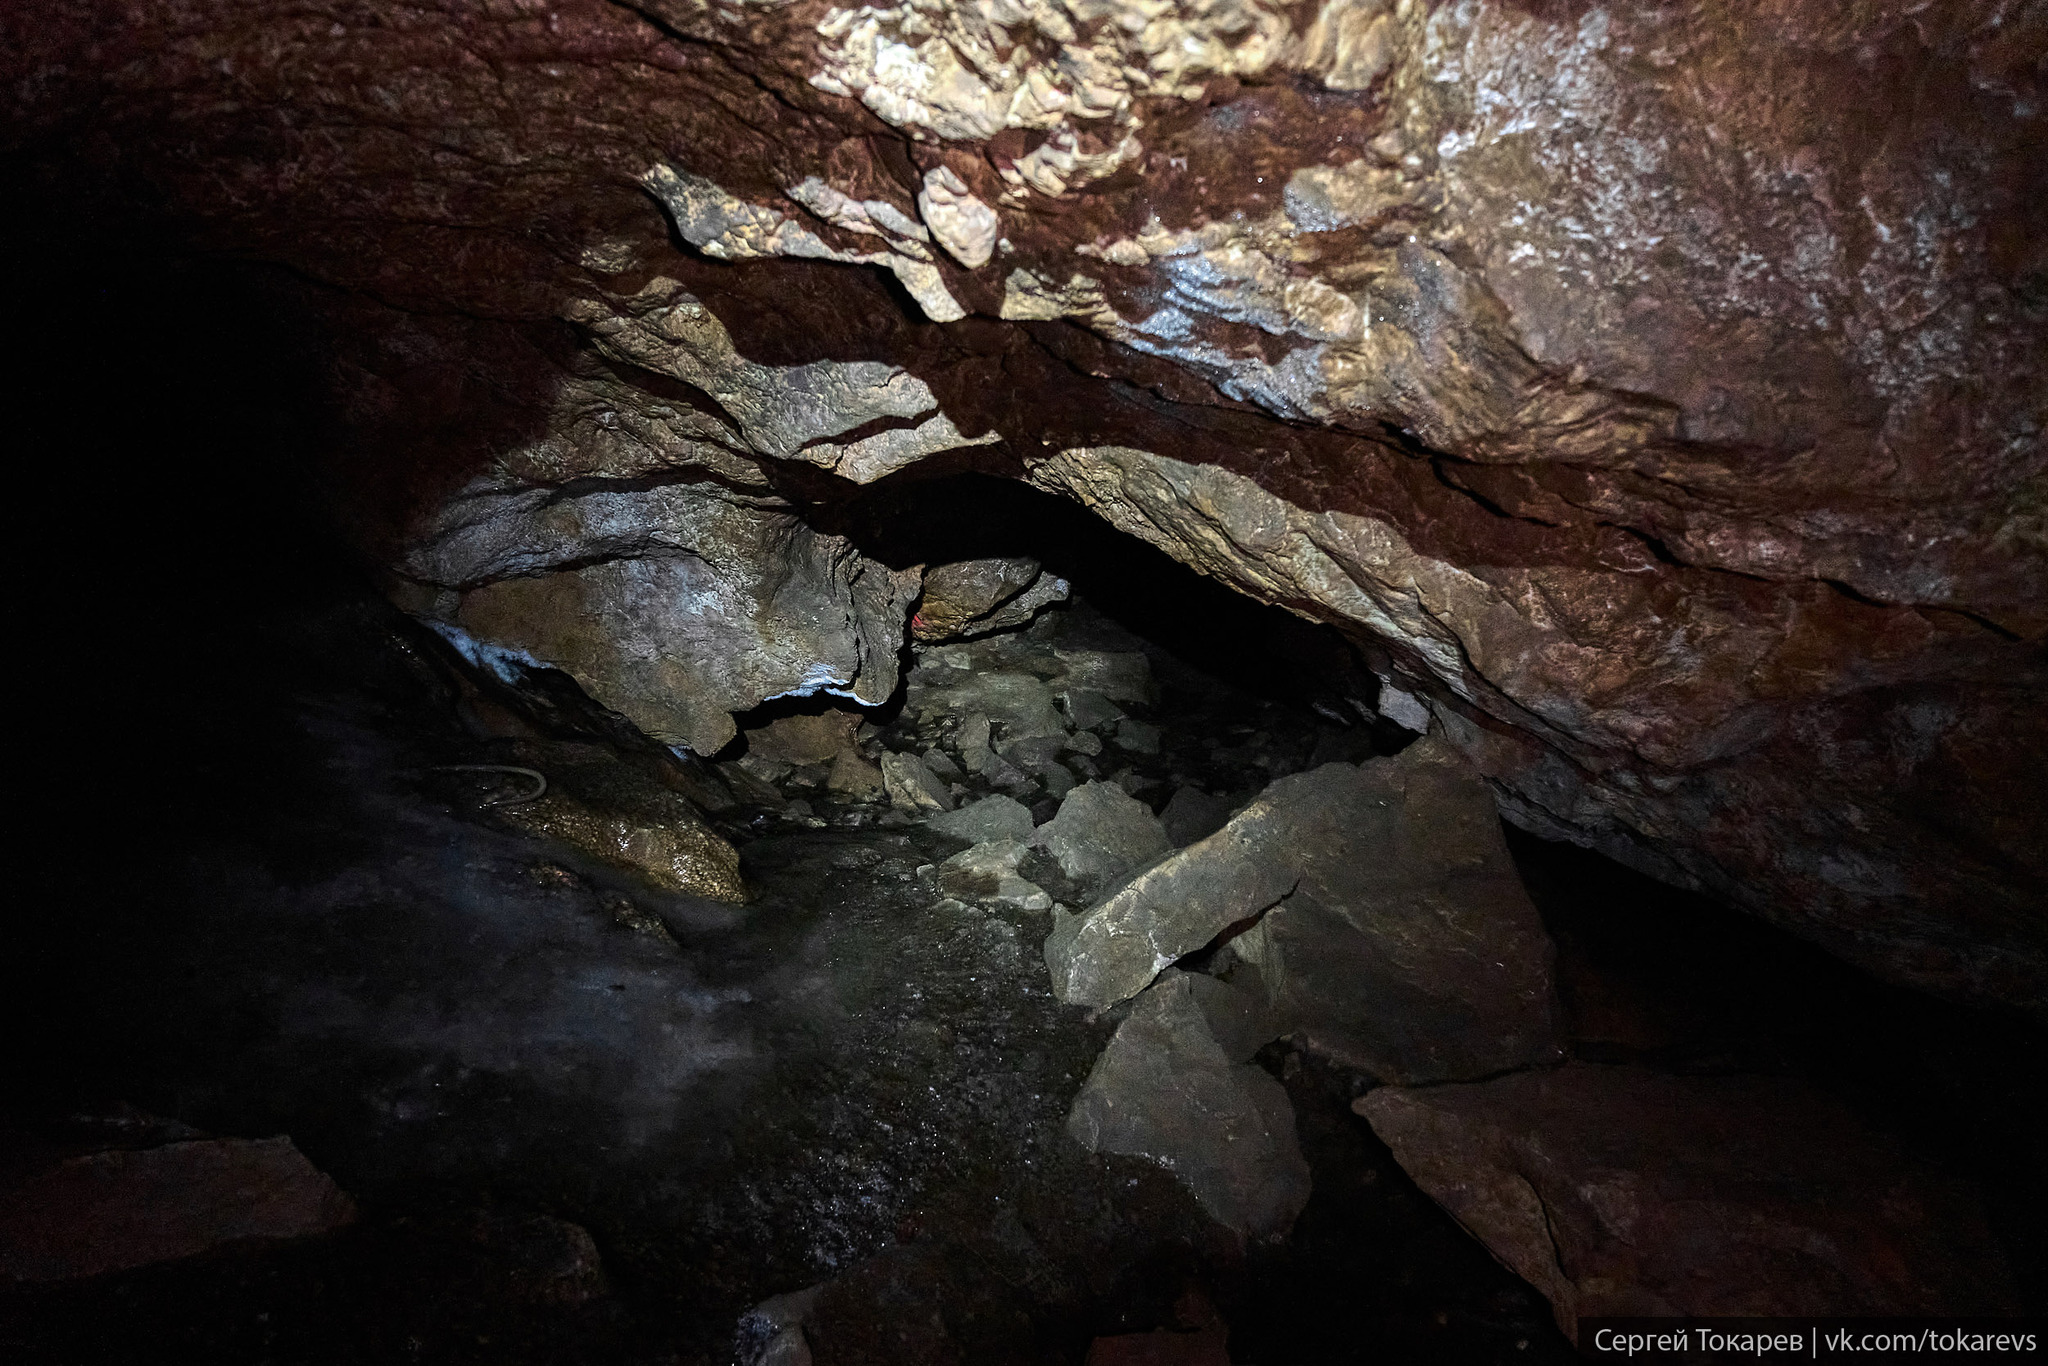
<point>1655,393</point>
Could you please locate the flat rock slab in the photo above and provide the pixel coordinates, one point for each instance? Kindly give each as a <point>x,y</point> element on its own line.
<point>988,873</point>
<point>1619,1191</point>
<point>1173,1087</point>
<point>1395,934</point>
<point>114,1211</point>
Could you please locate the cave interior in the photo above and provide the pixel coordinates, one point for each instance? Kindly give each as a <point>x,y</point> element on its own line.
<point>1127,958</point>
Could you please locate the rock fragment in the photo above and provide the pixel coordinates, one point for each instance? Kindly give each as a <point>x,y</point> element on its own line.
<point>913,789</point>
<point>991,818</point>
<point>657,835</point>
<point>987,873</point>
<point>1102,835</point>
<point>1166,1089</point>
<point>854,777</point>
<point>117,1210</point>
<point>1619,1191</point>
<point>1192,814</point>
<point>975,597</point>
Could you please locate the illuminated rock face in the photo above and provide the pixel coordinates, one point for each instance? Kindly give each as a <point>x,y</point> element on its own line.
<point>1654,393</point>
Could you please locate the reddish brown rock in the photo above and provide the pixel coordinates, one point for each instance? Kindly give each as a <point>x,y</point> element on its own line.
<point>117,1210</point>
<point>1617,1191</point>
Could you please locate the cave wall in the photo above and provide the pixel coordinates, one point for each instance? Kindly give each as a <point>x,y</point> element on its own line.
<point>1653,393</point>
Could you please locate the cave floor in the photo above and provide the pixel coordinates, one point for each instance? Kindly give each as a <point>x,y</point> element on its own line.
<point>851,1078</point>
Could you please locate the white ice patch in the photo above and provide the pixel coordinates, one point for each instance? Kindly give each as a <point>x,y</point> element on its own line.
<point>509,665</point>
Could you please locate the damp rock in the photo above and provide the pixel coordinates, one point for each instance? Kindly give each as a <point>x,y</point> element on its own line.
<point>772,1332</point>
<point>657,835</point>
<point>1620,1191</point>
<point>1168,1090</point>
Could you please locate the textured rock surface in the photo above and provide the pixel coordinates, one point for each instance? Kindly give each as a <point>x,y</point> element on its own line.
<point>1177,1089</point>
<point>1408,948</point>
<point>1393,932</point>
<point>1101,835</point>
<point>115,1210</point>
<point>1617,1191</point>
<point>662,840</point>
<point>973,597</point>
<point>1675,442</point>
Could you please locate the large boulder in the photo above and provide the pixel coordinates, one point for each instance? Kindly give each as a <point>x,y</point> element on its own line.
<point>1393,932</point>
<point>1618,1191</point>
<point>1175,1086</point>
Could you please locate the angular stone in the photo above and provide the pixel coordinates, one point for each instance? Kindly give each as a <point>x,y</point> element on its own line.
<point>113,1211</point>
<point>1086,708</point>
<point>854,777</point>
<point>1396,935</point>
<point>988,873</point>
<point>991,818</point>
<point>1409,949</point>
<point>1619,1191</point>
<point>912,788</point>
<point>1139,737</point>
<point>943,768</point>
<point>726,607</point>
<point>1116,676</point>
<point>975,597</point>
<point>818,738</point>
<point>1101,835</point>
<point>1166,1090</point>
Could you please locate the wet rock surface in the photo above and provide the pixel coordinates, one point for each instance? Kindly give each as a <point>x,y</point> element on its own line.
<point>1618,1191</point>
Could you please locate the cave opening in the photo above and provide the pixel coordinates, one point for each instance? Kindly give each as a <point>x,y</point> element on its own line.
<point>798,1040</point>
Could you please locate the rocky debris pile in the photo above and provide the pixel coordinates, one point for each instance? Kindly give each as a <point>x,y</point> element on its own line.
<point>122,1208</point>
<point>1621,1191</point>
<point>1389,928</point>
<point>1176,1086</point>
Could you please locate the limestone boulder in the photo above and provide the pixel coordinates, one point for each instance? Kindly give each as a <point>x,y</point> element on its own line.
<point>1175,1086</point>
<point>1620,1192</point>
<point>1392,932</point>
<point>975,597</point>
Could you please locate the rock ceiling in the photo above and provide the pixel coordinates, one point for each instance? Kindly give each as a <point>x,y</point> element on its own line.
<point>1654,393</point>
